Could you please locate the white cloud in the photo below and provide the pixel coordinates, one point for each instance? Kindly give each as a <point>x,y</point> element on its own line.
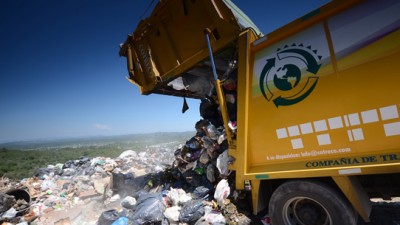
<point>101,126</point>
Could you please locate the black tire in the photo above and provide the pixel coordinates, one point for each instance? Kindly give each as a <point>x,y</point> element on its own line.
<point>309,203</point>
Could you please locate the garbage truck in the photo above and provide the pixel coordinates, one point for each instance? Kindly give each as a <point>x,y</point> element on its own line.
<point>315,128</point>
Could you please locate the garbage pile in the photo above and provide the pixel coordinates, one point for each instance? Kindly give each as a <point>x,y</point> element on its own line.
<point>159,186</point>
<point>57,189</point>
<point>188,185</point>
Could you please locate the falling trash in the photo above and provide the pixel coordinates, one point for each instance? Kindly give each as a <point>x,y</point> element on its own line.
<point>222,192</point>
<point>185,106</point>
<point>177,84</point>
<point>222,163</point>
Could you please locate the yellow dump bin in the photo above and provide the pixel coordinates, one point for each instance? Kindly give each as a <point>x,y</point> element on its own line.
<point>172,39</point>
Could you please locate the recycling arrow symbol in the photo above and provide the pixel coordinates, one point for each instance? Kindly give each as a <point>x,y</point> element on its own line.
<point>309,87</point>
<point>265,71</point>
<point>308,57</point>
<point>303,55</point>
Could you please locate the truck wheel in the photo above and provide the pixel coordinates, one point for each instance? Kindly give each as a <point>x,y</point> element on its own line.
<point>309,203</point>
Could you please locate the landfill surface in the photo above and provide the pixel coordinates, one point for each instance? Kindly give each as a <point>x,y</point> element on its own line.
<point>134,188</point>
<point>160,185</point>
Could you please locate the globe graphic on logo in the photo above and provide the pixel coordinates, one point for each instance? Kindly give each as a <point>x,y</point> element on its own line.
<point>287,77</point>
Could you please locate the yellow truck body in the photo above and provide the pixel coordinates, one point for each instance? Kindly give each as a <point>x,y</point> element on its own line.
<point>317,99</point>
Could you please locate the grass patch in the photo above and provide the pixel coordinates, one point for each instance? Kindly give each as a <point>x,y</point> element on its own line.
<point>18,164</point>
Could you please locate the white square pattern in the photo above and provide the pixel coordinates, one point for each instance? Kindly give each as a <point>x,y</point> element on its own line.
<point>354,119</point>
<point>294,131</point>
<point>320,125</point>
<point>392,129</point>
<point>389,112</point>
<point>297,143</point>
<point>324,139</point>
<point>335,123</point>
<point>358,134</point>
<point>370,116</point>
<point>306,128</point>
<point>348,120</point>
<point>281,133</point>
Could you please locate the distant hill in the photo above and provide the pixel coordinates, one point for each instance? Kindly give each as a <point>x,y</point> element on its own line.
<point>120,141</point>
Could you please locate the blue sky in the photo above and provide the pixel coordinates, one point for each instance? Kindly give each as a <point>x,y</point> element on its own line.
<point>61,75</point>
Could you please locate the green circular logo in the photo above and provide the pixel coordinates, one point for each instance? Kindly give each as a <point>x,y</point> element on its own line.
<point>290,76</point>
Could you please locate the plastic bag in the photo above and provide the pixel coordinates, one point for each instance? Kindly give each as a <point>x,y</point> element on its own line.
<point>48,185</point>
<point>108,217</point>
<point>172,213</point>
<point>128,153</point>
<point>210,173</point>
<point>209,109</point>
<point>178,196</point>
<point>191,211</point>
<point>207,142</point>
<point>11,213</point>
<point>149,209</point>
<point>222,191</point>
<point>121,221</point>
<point>177,84</point>
<point>68,172</point>
<point>68,164</point>
<point>127,184</point>
<point>42,173</point>
<point>222,163</point>
<point>215,218</point>
<point>193,144</point>
<point>213,133</point>
<point>204,158</point>
<point>23,223</point>
<point>128,202</point>
<point>6,202</point>
<point>200,192</point>
<point>200,85</point>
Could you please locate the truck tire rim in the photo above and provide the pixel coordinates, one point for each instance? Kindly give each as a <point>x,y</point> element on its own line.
<point>305,211</point>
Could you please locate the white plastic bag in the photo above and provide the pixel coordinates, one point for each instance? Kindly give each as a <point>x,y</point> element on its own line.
<point>128,153</point>
<point>177,84</point>
<point>215,218</point>
<point>11,213</point>
<point>128,202</point>
<point>48,185</point>
<point>222,163</point>
<point>178,196</point>
<point>172,213</point>
<point>222,192</point>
